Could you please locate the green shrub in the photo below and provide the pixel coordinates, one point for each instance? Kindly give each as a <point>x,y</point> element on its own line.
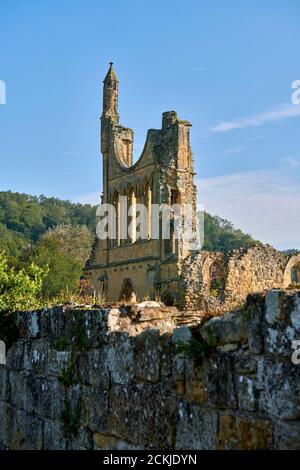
<point>195,348</point>
<point>19,290</point>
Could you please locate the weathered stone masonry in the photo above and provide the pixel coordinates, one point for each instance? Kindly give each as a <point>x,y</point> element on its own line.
<point>111,379</point>
<point>123,269</point>
<point>214,281</point>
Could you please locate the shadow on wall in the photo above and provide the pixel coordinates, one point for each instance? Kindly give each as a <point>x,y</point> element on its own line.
<point>292,272</point>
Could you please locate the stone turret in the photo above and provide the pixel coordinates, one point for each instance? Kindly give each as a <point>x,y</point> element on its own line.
<point>110,95</point>
<point>110,113</point>
<point>115,138</point>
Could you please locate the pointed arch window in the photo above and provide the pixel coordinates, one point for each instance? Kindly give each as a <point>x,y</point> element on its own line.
<point>132,216</point>
<point>127,293</point>
<point>116,204</point>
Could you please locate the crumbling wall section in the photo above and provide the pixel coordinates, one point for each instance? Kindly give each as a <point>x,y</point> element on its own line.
<point>195,284</point>
<point>254,270</point>
<point>215,282</point>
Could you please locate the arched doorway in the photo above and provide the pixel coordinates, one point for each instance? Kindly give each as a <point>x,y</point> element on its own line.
<point>127,293</point>
<point>213,277</point>
<point>295,275</point>
<point>292,272</point>
<point>167,298</point>
<point>102,291</point>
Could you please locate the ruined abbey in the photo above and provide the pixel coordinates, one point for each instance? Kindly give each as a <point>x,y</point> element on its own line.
<point>133,374</point>
<point>159,269</point>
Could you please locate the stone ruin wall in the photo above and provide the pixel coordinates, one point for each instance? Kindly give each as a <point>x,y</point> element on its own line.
<point>113,379</point>
<point>238,273</point>
<point>254,270</point>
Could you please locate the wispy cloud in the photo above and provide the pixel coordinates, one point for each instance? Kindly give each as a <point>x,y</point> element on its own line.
<point>264,203</point>
<point>236,149</point>
<point>232,150</point>
<point>199,69</point>
<point>283,111</point>
<point>90,198</point>
<point>291,161</point>
<point>254,139</point>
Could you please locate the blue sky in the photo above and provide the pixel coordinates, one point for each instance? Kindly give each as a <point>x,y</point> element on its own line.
<point>227,67</point>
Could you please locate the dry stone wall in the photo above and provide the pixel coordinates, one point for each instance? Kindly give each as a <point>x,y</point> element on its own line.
<point>121,379</point>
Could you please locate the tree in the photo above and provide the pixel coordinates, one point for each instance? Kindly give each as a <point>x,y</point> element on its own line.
<point>220,235</point>
<point>12,244</point>
<point>64,249</point>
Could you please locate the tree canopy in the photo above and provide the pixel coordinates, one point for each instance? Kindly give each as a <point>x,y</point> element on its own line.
<point>220,235</point>
<point>63,250</point>
<point>24,219</point>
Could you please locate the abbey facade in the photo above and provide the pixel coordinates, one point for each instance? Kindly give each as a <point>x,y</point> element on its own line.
<point>132,268</point>
<point>142,268</point>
